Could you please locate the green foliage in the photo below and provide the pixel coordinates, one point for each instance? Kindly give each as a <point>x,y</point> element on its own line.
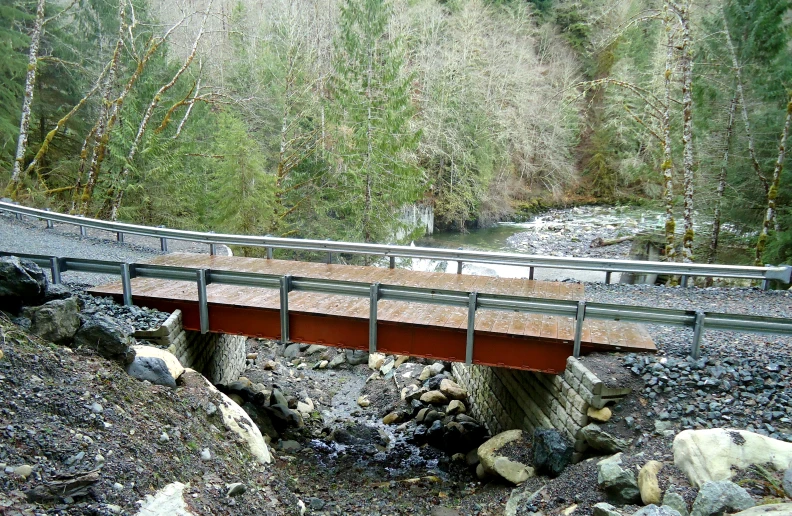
<point>14,17</point>
<point>375,144</point>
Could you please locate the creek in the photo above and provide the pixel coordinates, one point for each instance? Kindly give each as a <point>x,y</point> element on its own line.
<point>559,232</point>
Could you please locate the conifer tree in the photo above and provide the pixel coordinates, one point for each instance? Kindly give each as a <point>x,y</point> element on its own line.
<point>375,143</point>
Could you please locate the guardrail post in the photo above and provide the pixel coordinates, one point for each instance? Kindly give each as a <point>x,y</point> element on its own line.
<point>55,269</point>
<point>392,264</point>
<point>83,231</point>
<point>683,281</point>
<point>579,317</point>
<point>119,237</point>
<point>607,277</point>
<point>285,288</point>
<point>373,299</point>
<point>163,242</point>
<point>269,253</point>
<point>212,247</point>
<point>530,273</point>
<point>127,272</point>
<point>49,222</point>
<point>203,303</point>
<point>459,267</point>
<point>329,258</point>
<point>471,327</point>
<point>698,330</point>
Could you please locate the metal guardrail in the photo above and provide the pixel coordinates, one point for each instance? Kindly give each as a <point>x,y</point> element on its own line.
<point>782,273</point>
<point>473,301</point>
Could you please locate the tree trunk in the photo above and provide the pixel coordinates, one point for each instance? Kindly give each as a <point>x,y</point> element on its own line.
<point>687,133</point>
<point>774,186</point>
<point>118,195</point>
<point>668,160</point>
<point>716,217</point>
<point>27,101</point>
<point>744,109</point>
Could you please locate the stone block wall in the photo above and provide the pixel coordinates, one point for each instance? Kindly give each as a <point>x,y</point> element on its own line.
<point>506,399</point>
<point>220,357</point>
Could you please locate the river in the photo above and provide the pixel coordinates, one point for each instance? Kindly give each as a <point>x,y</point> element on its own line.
<point>560,232</point>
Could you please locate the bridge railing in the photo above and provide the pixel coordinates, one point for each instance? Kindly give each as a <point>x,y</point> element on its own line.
<point>782,273</point>
<point>472,301</point>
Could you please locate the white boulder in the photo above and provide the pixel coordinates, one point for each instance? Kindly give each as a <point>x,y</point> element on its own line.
<point>709,455</point>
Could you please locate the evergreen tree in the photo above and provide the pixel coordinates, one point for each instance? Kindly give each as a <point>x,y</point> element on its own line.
<point>13,44</point>
<point>375,146</point>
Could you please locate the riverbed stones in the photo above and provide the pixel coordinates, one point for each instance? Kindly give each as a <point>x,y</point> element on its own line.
<point>337,360</point>
<point>434,398</point>
<point>168,501</point>
<point>648,484</point>
<point>601,440</point>
<point>355,356</point>
<point>363,401</point>
<point>107,337</point>
<point>392,418</point>
<point>552,452</point>
<point>713,454</point>
<point>55,321</point>
<point>455,407</point>
<point>22,282</point>
<point>452,390</point>
<point>716,497</point>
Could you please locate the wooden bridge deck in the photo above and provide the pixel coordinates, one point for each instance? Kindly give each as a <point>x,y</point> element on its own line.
<point>502,338</point>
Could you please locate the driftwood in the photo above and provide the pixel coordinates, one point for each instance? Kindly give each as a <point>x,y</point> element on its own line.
<point>64,486</point>
<point>603,242</point>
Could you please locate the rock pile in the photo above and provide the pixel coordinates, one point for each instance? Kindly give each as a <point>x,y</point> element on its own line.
<point>738,392</point>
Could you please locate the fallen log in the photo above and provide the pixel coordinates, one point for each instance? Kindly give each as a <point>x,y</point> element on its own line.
<point>602,242</point>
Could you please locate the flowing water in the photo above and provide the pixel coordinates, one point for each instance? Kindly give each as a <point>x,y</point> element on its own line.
<point>565,232</point>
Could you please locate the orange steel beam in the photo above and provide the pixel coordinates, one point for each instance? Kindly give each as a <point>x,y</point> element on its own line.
<point>439,343</point>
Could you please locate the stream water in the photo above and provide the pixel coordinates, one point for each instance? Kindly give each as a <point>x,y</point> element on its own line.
<point>564,232</point>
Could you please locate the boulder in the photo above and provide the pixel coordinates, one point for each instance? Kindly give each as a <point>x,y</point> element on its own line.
<point>602,415</point>
<point>648,483</point>
<point>376,360</point>
<point>234,417</point>
<point>775,509</point>
<point>55,321</point>
<point>431,370</point>
<point>168,501</point>
<point>455,407</point>
<point>452,390</point>
<point>714,498</point>
<point>434,397</point>
<point>337,360</point>
<point>107,337</point>
<point>552,452</point>
<point>653,510</point>
<point>315,348</point>
<point>488,452</point>
<point>600,440</point>
<point>514,472</point>
<point>392,418</point>
<point>619,485</point>
<point>387,367</point>
<point>710,455</point>
<point>786,483</point>
<point>22,282</point>
<point>156,365</point>
<point>676,502</point>
<point>356,356</point>
<point>291,351</point>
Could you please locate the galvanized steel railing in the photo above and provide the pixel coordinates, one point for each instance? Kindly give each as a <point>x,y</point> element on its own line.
<point>782,273</point>
<point>578,310</point>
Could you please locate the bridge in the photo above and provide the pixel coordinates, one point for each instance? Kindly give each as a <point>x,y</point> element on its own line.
<point>383,311</point>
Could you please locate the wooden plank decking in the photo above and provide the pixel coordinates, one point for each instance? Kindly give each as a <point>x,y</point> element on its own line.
<point>502,338</point>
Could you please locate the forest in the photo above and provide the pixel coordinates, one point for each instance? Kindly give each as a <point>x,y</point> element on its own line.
<point>325,118</point>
